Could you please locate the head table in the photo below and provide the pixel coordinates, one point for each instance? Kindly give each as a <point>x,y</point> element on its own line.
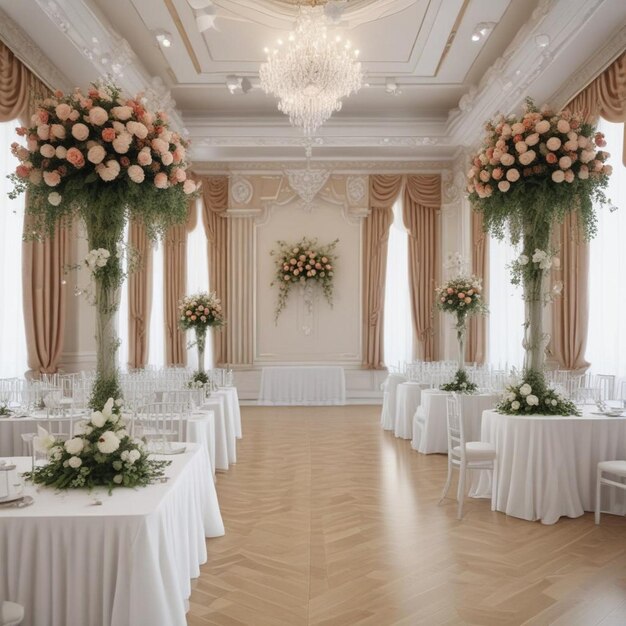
<point>547,463</point>
<point>128,561</point>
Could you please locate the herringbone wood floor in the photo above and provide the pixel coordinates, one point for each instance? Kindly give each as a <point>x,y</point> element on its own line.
<point>330,521</point>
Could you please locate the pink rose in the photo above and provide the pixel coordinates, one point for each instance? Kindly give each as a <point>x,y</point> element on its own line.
<point>74,115</point>
<point>108,134</point>
<point>160,181</point>
<point>551,158</point>
<point>136,174</point>
<point>583,173</point>
<point>52,179</point>
<point>180,175</point>
<point>80,131</point>
<point>23,171</point>
<point>75,157</point>
<point>96,154</point>
<point>98,116</point>
<point>42,116</point>
<point>144,157</point>
<point>63,111</point>
<point>569,176</point>
<point>43,132</point>
<point>484,176</point>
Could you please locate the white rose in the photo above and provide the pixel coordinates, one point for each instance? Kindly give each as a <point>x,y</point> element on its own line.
<point>117,479</point>
<point>539,256</point>
<point>108,442</point>
<point>515,405</point>
<point>54,198</point>
<point>75,462</point>
<point>75,445</point>
<point>525,389</point>
<point>554,402</point>
<point>98,419</point>
<point>523,259</point>
<point>532,400</point>
<point>134,455</point>
<point>511,396</point>
<point>56,453</point>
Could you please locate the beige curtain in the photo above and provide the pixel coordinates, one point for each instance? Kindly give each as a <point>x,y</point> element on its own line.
<point>43,263</point>
<point>421,213</point>
<point>384,191</point>
<point>175,284</point>
<point>476,351</point>
<point>215,205</point>
<point>604,97</point>
<point>139,296</point>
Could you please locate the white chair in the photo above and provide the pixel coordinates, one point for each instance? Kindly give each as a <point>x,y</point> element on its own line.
<point>466,455</point>
<point>616,468</point>
<point>11,614</point>
<point>160,421</point>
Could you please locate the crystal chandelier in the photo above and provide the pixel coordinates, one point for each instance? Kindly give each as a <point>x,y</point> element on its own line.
<point>311,72</point>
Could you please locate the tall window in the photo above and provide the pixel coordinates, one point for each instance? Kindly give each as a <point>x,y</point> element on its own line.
<point>398,327</point>
<point>198,280</point>
<point>13,359</point>
<point>606,339</point>
<point>506,308</point>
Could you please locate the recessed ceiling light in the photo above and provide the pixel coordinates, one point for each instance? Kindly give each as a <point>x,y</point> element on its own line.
<point>163,37</point>
<point>482,30</point>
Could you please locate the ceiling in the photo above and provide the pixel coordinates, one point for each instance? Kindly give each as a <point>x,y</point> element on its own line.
<point>445,81</point>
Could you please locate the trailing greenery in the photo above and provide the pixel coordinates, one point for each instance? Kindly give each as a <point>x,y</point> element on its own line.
<point>101,454</point>
<point>461,383</point>
<point>533,396</point>
<point>302,262</point>
<point>5,410</point>
<point>198,380</point>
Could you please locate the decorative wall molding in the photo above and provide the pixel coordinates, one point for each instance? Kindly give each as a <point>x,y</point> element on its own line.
<point>307,183</point>
<point>355,167</point>
<point>27,51</point>
<point>240,190</point>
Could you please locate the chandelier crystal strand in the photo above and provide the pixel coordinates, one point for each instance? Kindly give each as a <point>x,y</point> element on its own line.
<point>311,72</point>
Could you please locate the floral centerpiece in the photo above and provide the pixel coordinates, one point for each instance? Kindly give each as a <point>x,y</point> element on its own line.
<point>530,173</point>
<point>462,297</point>
<point>198,312</point>
<point>304,263</point>
<point>102,453</point>
<point>104,158</point>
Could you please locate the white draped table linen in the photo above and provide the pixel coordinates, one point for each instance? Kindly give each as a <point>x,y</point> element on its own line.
<point>388,413</point>
<point>129,561</point>
<point>302,386</point>
<point>408,396</point>
<point>431,435</point>
<point>200,429</point>
<point>232,392</point>
<point>547,464</point>
<point>229,420</point>
<point>217,405</point>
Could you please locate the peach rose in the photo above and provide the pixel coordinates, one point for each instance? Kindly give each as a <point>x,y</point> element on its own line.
<point>108,171</point>
<point>160,146</point>
<point>23,171</point>
<point>532,139</point>
<point>565,162</point>
<point>504,185</point>
<point>542,127</point>
<point>80,131</point>
<point>583,173</point>
<point>189,186</point>
<point>558,176</point>
<point>528,157</point>
<point>563,126</point>
<point>122,142</point>
<point>122,113</point>
<point>180,175</point>
<point>98,116</point>
<point>47,151</point>
<point>521,147</point>
<point>160,181</point>
<point>484,176</point>
<point>96,154</point>
<point>43,132</point>
<point>108,134</point>
<point>58,131</point>
<point>167,158</point>
<point>551,158</point>
<point>144,157</point>
<point>497,173</point>
<point>569,176</point>
<point>136,174</point>
<point>554,143</point>
<point>52,179</point>
<point>63,111</point>
<point>75,157</point>
<point>512,175</point>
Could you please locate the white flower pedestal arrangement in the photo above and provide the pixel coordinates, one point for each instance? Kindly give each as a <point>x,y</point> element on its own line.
<point>104,158</point>
<point>462,297</point>
<point>531,172</point>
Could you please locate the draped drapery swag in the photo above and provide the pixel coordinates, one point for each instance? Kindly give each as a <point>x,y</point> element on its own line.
<point>43,262</point>
<point>476,351</point>
<point>384,191</point>
<point>421,212</point>
<point>603,97</point>
<point>214,209</point>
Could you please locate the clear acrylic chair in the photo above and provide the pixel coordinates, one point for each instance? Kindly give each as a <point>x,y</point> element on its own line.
<point>466,455</point>
<point>160,424</point>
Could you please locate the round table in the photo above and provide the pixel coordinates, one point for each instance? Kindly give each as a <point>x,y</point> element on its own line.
<point>430,429</point>
<point>547,464</point>
<point>388,414</point>
<point>408,396</point>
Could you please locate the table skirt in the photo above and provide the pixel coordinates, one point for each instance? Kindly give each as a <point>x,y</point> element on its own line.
<point>302,386</point>
<point>408,397</point>
<point>388,413</point>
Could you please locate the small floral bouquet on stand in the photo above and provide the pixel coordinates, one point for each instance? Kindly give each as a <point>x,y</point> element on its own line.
<point>531,396</point>
<point>461,296</point>
<point>198,312</point>
<point>102,453</point>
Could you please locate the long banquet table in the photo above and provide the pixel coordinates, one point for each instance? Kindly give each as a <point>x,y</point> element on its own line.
<point>547,464</point>
<point>129,561</point>
<point>302,385</point>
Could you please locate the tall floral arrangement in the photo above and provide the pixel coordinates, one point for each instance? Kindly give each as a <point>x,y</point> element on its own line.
<point>302,263</point>
<point>198,312</point>
<point>104,158</point>
<point>102,453</point>
<point>462,297</point>
<point>530,173</point>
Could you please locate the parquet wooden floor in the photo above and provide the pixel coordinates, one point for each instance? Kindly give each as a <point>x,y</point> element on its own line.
<point>332,522</point>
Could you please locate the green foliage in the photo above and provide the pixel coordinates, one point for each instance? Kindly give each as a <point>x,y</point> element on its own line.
<point>103,389</point>
<point>461,383</point>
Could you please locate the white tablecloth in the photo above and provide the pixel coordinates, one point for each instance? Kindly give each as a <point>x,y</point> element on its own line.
<point>388,413</point>
<point>232,392</point>
<point>408,396</point>
<point>430,430</point>
<point>307,386</point>
<point>216,404</point>
<point>129,561</point>
<point>230,422</point>
<point>547,464</point>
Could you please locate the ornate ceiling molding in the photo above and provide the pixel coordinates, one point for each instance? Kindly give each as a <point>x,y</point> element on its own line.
<point>307,182</point>
<point>27,51</point>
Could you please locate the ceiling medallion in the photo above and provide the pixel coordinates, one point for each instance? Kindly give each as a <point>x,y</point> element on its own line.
<point>311,72</point>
